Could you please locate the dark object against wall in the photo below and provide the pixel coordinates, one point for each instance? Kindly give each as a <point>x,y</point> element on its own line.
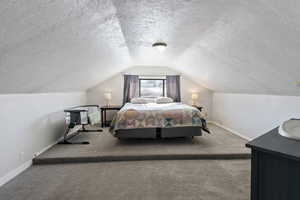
<point>275,167</point>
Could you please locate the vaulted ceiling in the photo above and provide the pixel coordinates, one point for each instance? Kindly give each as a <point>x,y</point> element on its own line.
<point>245,46</point>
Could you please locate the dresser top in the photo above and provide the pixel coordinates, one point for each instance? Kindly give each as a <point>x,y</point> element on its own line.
<point>274,143</point>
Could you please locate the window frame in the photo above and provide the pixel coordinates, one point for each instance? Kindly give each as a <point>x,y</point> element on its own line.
<point>159,79</point>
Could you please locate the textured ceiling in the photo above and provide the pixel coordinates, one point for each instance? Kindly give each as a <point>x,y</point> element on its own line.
<point>246,46</point>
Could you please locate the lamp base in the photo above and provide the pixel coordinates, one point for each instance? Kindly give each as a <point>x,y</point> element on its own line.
<point>194,103</point>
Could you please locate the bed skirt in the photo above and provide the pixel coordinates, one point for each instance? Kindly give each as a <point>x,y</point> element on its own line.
<point>153,133</point>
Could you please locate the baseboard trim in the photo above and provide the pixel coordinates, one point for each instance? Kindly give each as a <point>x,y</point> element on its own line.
<point>76,128</point>
<point>47,147</point>
<point>231,130</point>
<point>12,174</point>
<point>15,172</point>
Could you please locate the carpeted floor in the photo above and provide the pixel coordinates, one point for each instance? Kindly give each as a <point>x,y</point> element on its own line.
<point>147,180</point>
<point>104,147</point>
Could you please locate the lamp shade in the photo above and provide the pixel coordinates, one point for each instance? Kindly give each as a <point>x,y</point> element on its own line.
<point>195,96</point>
<point>107,96</point>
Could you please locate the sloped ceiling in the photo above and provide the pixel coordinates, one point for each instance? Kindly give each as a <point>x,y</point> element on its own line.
<point>247,46</point>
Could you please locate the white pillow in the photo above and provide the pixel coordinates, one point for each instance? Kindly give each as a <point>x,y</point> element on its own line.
<point>142,100</point>
<point>164,100</point>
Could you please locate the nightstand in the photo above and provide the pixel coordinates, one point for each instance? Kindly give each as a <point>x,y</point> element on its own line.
<point>104,122</point>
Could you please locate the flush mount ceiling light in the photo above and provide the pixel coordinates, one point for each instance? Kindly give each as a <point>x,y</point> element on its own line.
<point>160,46</point>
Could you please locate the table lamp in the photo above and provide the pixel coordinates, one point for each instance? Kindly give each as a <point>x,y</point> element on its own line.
<point>195,97</point>
<point>108,97</point>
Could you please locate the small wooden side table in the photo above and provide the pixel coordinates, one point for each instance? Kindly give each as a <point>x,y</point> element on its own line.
<point>104,122</point>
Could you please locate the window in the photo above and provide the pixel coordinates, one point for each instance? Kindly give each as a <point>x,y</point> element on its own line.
<point>152,87</point>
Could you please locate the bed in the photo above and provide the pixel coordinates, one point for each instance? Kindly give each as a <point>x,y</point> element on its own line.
<point>153,120</point>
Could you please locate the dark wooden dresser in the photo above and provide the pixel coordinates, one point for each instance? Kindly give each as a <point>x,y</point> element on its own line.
<point>275,167</point>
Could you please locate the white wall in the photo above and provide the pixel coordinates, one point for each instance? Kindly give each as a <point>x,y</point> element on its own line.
<point>253,115</point>
<point>30,123</point>
<point>115,85</point>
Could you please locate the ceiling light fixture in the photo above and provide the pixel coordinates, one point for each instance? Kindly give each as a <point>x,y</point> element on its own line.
<point>160,46</point>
